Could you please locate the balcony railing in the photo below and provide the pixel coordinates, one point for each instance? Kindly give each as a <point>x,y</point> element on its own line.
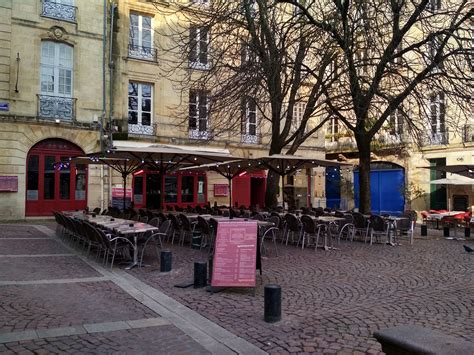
<point>250,139</point>
<point>59,11</point>
<point>438,138</point>
<point>197,134</point>
<point>468,134</point>
<point>140,52</point>
<point>56,107</point>
<point>142,130</point>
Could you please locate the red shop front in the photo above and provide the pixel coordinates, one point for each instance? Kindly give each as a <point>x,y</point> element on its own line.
<point>181,189</point>
<point>53,183</point>
<point>249,189</point>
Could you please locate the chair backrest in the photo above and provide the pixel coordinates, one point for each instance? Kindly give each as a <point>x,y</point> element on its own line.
<point>164,227</point>
<point>319,211</point>
<point>96,210</point>
<point>276,220</point>
<point>213,225</point>
<point>258,217</point>
<point>377,223</point>
<point>154,222</point>
<point>292,222</point>
<point>185,223</point>
<point>174,221</point>
<point>234,213</point>
<point>338,214</point>
<point>135,218</point>
<point>143,219</point>
<point>142,212</point>
<point>199,209</point>
<point>203,225</point>
<point>308,224</point>
<point>359,220</point>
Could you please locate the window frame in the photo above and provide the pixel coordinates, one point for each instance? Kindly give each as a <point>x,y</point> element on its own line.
<point>140,31</point>
<point>246,125</point>
<point>56,67</point>
<point>196,49</point>
<point>140,99</point>
<point>194,113</point>
<point>437,113</point>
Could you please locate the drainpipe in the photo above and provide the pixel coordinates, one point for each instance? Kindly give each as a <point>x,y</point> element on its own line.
<point>104,44</point>
<point>111,67</point>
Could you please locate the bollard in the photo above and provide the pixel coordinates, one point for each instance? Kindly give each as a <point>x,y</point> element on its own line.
<point>467,232</point>
<point>446,232</point>
<point>424,230</point>
<point>200,274</point>
<point>210,269</point>
<point>272,303</point>
<point>165,261</point>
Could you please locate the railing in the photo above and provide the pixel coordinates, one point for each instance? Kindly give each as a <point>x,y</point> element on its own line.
<point>59,11</point>
<point>142,130</point>
<point>56,107</point>
<point>250,139</point>
<point>140,52</point>
<point>468,134</point>
<point>439,138</point>
<point>197,134</point>
<point>340,145</point>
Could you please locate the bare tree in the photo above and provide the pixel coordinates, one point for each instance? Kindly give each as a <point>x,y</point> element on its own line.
<point>248,55</point>
<point>411,57</point>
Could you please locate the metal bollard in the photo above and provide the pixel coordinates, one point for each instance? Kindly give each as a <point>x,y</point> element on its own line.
<point>210,269</point>
<point>165,261</point>
<point>424,230</point>
<point>467,232</point>
<point>446,232</point>
<point>200,274</point>
<point>272,303</point>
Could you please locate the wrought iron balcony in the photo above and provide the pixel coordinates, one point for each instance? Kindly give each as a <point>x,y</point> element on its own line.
<point>56,107</point>
<point>250,139</point>
<point>468,134</point>
<point>438,138</point>
<point>140,52</point>
<point>197,134</point>
<point>59,11</point>
<point>142,130</point>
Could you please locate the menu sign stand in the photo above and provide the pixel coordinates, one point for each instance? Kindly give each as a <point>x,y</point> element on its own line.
<point>235,255</point>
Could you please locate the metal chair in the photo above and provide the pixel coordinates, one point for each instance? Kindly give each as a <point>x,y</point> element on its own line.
<point>271,232</point>
<point>292,226</point>
<point>156,239</point>
<point>311,230</point>
<point>378,228</point>
<point>361,225</point>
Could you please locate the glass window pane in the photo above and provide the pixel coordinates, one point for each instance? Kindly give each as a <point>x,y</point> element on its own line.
<point>132,89</point>
<point>146,105</point>
<point>81,176</point>
<point>146,39</point>
<point>146,119</point>
<point>171,189</point>
<point>146,22</point>
<point>32,180</point>
<point>47,79</point>
<point>138,190</point>
<point>132,103</point>
<point>47,53</point>
<point>201,189</point>
<point>65,180</point>
<point>49,177</point>
<point>134,20</point>
<point>146,90</point>
<point>187,189</point>
<point>132,117</point>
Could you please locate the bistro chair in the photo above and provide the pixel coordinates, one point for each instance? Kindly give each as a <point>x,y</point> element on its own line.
<point>187,228</point>
<point>204,228</point>
<point>292,226</point>
<point>311,231</point>
<point>378,228</point>
<point>347,228</point>
<point>175,226</point>
<point>156,238</point>
<point>135,218</point>
<point>361,225</point>
<point>271,233</point>
<point>143,219</point>
<point>96,210</point>
<point>155,222</point>
<point>319,211</point>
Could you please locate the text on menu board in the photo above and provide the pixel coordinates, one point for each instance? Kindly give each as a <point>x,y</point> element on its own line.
<point>235,254</point>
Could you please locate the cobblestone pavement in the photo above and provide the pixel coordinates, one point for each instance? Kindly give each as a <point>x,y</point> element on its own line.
<point>333,301</point>
<point>42,268</point>
<point>26,246</point>
<point>20,231</point>
<point>153,340</point>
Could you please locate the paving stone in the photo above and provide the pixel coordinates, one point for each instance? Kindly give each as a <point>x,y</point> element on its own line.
<point>31,247</point>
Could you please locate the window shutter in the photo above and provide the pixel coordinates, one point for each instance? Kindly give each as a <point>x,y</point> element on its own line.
<point>203,111</point>
<point>433,113</point>
<point>192,109</point>
<point>243,116</point>
<point>442,112</point>
<point>193,45</point>
<point>203,44</point>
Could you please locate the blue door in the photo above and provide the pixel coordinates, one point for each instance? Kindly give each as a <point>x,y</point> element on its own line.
<point>333,187</point>
<point>387,183</point>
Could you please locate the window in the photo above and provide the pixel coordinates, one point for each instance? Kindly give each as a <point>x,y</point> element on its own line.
<point>141,38</point>
<point>140,108</point>
<point>171,189</point>
<point>251,5</point>
<point>187,189</point>
<point>33,178</point>
<point>138,190</point>
<point>65,180</point>
<point>247,55</point>
<point>201,2</point>
<point>434,5</point>
<point>49,178</point>
<point>333,128</point>
<point>81,179</point>
<point>56,69</point>
<point>198,114</point>
<point>396,122</point>
<point>437,118</point>
<point>249,121</point>
<point>59,9</point>
<point>199,46</point>
<point>434,48</point>
<point>298,112</point>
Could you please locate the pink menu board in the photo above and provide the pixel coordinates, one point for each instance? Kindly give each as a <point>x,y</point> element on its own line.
<point>235,254</point>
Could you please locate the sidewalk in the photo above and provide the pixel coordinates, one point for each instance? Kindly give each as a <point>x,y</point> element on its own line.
<point>55,301</point>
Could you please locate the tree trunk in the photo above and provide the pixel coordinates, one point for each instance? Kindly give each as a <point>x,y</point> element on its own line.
<point>363,144</point>
<point>271,192</point>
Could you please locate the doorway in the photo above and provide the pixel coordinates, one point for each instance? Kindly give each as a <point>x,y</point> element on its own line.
<point>257,191</point>
<point>153,191</point>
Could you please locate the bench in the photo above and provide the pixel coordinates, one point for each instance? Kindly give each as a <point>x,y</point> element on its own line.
<point>411,339</point>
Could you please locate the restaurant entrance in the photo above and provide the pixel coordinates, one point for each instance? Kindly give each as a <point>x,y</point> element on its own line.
<point>53,183</point>
<point>179,189</point>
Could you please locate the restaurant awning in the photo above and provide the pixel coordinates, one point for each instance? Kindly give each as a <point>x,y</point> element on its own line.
<point>461,169</point>
<point>453,180</point>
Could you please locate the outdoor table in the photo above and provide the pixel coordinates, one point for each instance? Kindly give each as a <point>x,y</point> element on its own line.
<point>328,220</point>
<point>123,228</point>
<point>439,216</point>
<point>392,226</point>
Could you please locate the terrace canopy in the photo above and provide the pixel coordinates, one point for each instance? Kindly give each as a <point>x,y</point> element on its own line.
<point>127,160</point>
<point>461,169</point>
